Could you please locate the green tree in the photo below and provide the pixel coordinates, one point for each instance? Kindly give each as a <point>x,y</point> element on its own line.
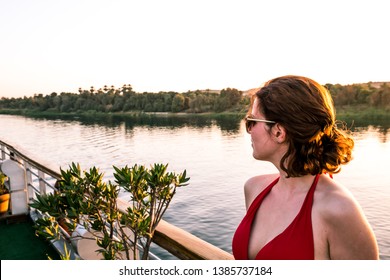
<point>178,103</point>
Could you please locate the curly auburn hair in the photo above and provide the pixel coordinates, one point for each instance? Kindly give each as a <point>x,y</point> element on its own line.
<point>305,109</point>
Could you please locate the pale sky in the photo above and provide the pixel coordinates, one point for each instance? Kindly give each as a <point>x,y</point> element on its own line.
<point>180,45</point>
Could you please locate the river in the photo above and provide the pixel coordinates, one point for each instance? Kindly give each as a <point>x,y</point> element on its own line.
<point>217,155</point>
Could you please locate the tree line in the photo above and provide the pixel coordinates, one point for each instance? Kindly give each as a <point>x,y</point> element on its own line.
<point>125,99</point>
<point>376,95</point>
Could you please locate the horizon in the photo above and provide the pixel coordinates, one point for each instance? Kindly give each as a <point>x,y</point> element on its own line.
<point>180,46</point>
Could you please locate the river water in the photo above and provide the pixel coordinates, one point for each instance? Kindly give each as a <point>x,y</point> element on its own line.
<point>217,155</point>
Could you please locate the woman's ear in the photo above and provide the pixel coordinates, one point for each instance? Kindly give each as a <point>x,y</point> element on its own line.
<point>279,133</point>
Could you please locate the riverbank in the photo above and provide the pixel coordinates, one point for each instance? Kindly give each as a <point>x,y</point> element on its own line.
<point>130,114</point>
<point>24,112</point>
<point>363,115</point>
<point>359,114</point>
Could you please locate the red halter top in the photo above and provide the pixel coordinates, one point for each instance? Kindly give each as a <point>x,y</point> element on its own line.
<point>294,243</point>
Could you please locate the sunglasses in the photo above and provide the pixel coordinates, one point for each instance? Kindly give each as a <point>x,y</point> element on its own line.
<point>250,122</point>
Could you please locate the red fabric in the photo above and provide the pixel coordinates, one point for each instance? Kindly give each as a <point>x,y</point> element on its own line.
<point>294,243</point>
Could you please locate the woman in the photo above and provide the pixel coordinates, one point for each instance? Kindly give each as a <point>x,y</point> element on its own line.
<point>301,212</point>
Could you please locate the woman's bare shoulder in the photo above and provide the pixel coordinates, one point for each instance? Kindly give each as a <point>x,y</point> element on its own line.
<point>255,185</point>
<point>348,233</point>
<point>334,199</point>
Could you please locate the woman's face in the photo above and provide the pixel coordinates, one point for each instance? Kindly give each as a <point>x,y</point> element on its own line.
<point>262,143</point>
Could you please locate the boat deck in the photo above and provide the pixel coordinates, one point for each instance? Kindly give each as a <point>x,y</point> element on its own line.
<point>19,242</point>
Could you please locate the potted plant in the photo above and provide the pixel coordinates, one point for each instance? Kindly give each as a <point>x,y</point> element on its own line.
<point>4,194</point>
<point>89,201</point>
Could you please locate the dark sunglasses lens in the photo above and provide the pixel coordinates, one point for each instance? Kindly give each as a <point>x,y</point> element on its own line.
<point>249,124</point>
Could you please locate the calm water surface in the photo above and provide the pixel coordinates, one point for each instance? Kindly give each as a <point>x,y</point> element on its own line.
<point>217,156</point>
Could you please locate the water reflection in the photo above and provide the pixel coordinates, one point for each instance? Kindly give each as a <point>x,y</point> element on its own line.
<point>379,132</point>
<point>363,125</point>
<point>227,123</point>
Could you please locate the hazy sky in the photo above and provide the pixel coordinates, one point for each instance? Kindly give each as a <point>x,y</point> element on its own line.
<point>59,46</point>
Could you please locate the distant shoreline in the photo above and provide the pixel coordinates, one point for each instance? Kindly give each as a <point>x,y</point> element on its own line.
<point>342,113</point>
<point>34,113</point>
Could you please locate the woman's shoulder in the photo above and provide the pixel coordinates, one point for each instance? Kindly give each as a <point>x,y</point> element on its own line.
<point>255,185</point>
<point>343,221</point>
<point>334,198</point>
